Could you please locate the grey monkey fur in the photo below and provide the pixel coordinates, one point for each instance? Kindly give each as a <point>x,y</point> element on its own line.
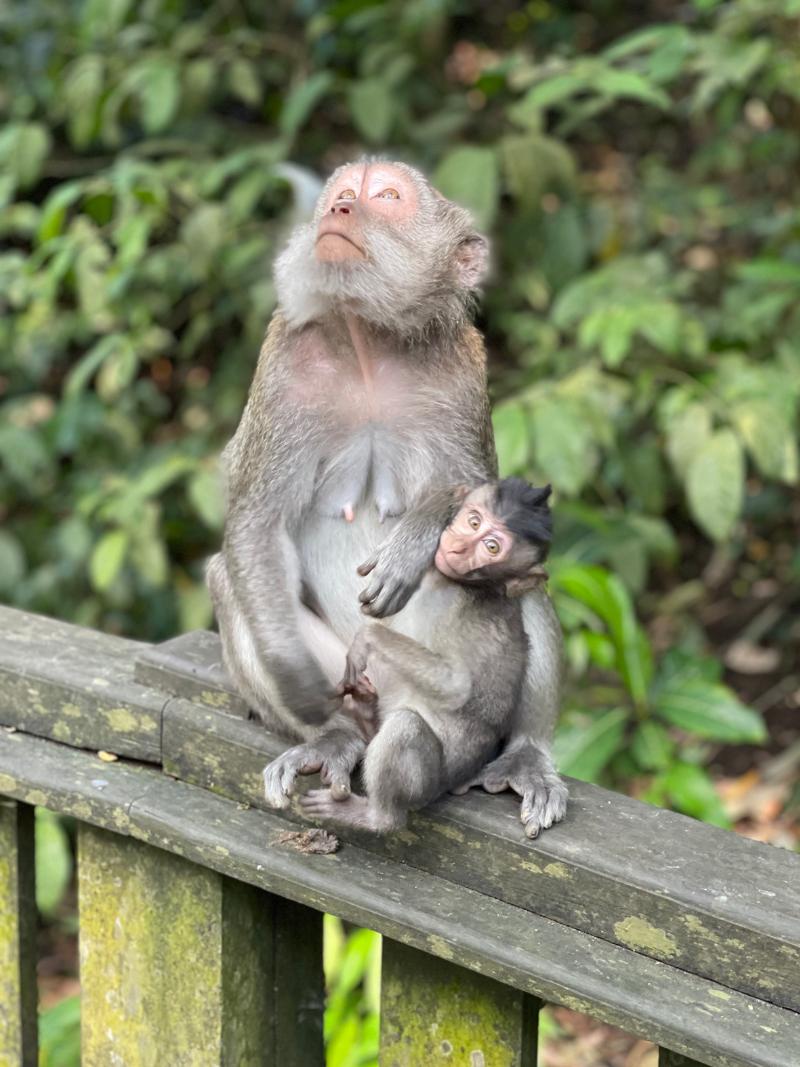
<point>284,585</point>
<point>447,683</point>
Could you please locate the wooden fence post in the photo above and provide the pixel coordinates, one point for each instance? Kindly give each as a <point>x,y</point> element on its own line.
<point>440,1015</point>
<point>183,966</point>
<point>18,1021</point>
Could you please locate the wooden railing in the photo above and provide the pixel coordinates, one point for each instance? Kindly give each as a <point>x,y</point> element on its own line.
<point>200,921</point>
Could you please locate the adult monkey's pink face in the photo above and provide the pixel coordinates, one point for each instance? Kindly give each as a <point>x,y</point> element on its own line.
<point>362,193</point>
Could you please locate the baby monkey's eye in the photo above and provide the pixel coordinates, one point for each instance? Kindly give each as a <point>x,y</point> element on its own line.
<point>492,547</point>
<point>474,520</point>
<point>389,194</point>
<point>347,194</point>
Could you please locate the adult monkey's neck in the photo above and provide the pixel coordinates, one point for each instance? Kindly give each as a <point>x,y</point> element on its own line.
<point>360,341</point>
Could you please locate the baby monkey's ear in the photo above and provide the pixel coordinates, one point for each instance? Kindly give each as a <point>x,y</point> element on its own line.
<point>534,577</point>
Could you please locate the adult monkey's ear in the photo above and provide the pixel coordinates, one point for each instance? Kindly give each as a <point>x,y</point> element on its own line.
<point>472,261</point>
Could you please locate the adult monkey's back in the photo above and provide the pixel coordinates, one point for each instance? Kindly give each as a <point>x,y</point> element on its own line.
<point>369,402</point>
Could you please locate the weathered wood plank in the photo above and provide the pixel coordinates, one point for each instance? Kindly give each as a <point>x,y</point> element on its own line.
<point>719,1027</point>
<point>191,666</point>
<point>173,971</point>
<point>76,686</point>
<point>437,1014</point>
<point>661,884</point>
<point>18,1035</point>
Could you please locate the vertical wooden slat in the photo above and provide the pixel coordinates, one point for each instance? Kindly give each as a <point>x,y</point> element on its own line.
<point>183,966</point>
<point>18,1022</point>
<point>435,1013</point>
<point>666,1058</point>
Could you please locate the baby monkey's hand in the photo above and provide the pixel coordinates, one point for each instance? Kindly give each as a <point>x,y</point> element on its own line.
<point>360,703</point>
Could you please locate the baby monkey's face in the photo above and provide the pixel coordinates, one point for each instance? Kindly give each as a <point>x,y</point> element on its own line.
<point>475,538</point>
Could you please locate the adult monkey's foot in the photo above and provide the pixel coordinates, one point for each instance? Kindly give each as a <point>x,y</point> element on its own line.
<point>530,772</point>
<point>334,754</point>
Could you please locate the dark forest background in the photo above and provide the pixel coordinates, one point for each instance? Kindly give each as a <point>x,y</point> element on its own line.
<point>636,166</point>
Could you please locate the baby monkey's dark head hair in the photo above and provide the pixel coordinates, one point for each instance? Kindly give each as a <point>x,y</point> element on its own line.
<point>525,510</point>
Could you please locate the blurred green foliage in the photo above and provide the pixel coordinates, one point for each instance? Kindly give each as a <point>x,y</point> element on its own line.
<point>638,179</point>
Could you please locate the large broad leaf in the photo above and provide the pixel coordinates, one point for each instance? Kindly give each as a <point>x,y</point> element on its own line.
<point>605,594</point>
<point>708,709</point>
<point>107,559</point>
<point>715,484</point>
<point>60,1033</point>
<point>691,791</point>
<point>583,747</point>
<point>372,105</point>
<point>687,433</point>
<point>511,437</point>
<point>563,444</point>
<point>651,746</point>
<point>533,163</point>
<point>302,100</point>
<point>769,438</point>
<point>23,149</point>
<point>469,175</point>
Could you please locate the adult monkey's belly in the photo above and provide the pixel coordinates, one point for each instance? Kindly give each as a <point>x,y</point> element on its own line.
<point>330,551</point>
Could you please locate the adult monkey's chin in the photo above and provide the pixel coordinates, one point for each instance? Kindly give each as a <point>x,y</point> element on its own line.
<point>336,248</point>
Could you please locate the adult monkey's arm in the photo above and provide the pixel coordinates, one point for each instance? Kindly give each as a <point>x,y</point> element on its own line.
<point>255,581</point>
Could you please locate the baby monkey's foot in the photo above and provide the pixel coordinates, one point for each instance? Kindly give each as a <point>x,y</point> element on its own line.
<point>352,811</point>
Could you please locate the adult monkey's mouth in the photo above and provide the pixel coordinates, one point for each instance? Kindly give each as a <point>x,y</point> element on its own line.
<point>333,244</point>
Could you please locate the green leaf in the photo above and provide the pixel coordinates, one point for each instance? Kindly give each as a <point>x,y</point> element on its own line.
<point>582,748</point>
<point>511,437</point>
<point>687,433</point>
<point>708,709</point>
<point>244,82</point>
<point>60,1033</point>
<point>53,861</point>
<point>107,559</point>
<point>24,147</point>
<point>83,85</point>
<point>605,594</point>
<point>205,494</point>
<point>468,175</point>
<point>715,484</point>
<point>372,107</point>
<point>158,90</point>
<point>691,791</point>
<point>533,163</point>
<point>651,746</point>
<point>302,99</point>
<point>627,83</point>
<point>768,435</point>
<point>563,444</point>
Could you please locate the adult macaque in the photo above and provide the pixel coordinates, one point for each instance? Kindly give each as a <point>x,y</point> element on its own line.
<point>443,677</point>
<point>368,402</point>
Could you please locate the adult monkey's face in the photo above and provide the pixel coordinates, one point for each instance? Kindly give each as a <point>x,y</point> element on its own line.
<point>385,246</point>
<point>363,194</point>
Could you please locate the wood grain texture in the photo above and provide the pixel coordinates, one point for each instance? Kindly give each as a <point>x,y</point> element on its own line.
<point>18,1037</point>
<point>717,1026</point>
<point>76,686</point>
<point>172,970</point>
<point>701,898</point>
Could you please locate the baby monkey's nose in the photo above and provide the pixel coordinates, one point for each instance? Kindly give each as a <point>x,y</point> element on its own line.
<point>340,209</point>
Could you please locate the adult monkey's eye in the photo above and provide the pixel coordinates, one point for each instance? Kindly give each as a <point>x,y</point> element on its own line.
<point>474,520</point>
<point>389,194</point>
<point>347,194</point>
<point>492,547</point>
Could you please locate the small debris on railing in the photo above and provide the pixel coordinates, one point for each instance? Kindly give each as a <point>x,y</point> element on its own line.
<point>107,757</point>
<point>316,840</point>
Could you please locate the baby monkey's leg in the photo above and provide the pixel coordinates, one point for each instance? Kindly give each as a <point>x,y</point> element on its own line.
<point>403,770</point>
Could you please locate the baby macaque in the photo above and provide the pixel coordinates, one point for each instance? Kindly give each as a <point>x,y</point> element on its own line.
<point>433,689</point>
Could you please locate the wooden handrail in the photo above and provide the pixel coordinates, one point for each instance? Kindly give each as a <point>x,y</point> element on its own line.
<point>682,932</point>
